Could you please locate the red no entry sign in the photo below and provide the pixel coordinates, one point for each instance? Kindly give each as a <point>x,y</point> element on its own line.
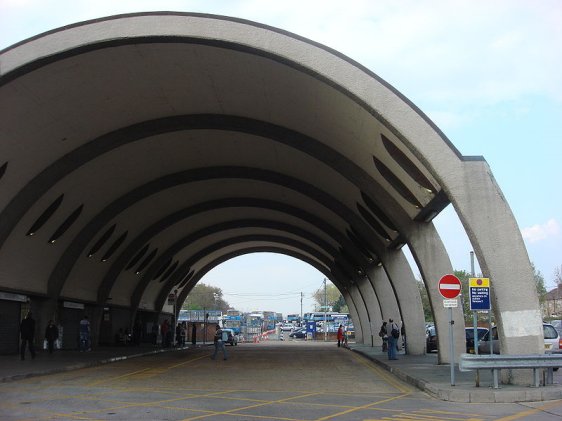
<point>449,286</point>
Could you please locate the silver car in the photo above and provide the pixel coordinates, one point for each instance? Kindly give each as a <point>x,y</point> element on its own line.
<point>551,340</point>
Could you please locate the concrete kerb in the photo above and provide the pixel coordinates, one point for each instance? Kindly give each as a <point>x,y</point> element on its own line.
<point>469,394</point>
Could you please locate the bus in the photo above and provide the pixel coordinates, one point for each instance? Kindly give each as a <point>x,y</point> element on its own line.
<point>233,320</point>
<point>293,318</point>
<point>269,320</point>
<point>253,325</point>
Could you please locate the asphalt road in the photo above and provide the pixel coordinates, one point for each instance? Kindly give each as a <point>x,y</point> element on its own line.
<point>294,380</point>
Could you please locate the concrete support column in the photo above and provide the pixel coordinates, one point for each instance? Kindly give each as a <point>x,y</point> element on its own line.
<point>502,256</point>
<point>362,313</point>
<point>43,311</point>
<point>373,310</point>
<point>433,262</point>
<point>354,315</point>
<point>95,323</point>
<point>400,291</point>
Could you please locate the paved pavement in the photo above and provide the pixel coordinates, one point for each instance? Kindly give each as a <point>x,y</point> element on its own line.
<point>421,371</point>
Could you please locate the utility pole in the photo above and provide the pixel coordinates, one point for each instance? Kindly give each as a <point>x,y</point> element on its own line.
<point>325,308</point>
<point>300,322</point>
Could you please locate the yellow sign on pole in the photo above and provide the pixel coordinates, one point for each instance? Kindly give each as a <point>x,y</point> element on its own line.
<point>479,293</point>
<point>479,282</point>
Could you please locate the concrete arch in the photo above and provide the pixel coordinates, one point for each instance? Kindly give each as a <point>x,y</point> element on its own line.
<point>376,161</point>
<point>306,237</point>
<point>150,232</point>
<point>227,256</point>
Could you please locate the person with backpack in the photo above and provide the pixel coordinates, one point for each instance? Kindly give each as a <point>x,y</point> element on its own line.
<point>219,339</point>
<point>393,334</point>
<point>384,336</point>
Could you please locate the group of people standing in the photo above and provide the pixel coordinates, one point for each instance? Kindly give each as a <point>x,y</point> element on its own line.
<point>390,333</point>
<point>164,331</point>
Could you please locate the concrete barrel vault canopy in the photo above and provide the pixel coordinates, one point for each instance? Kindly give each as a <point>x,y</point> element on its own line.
<point>139,150</point>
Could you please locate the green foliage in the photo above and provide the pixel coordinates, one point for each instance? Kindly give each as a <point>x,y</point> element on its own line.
<point>427,312</point>
<point>340,306</point>
<point>204,296</point>
<point>464,276</point>
<point>539,282</point>
<point>334,298</point>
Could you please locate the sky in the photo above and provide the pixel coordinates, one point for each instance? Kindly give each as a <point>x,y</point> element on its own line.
<point>488,73</point>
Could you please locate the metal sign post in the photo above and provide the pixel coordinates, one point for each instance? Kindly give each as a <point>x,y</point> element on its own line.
<point>450,288</point>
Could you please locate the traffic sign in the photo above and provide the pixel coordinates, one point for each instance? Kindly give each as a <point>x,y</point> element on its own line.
<point>453,303</point>
<point>479,291</point>
<point>449,286</point>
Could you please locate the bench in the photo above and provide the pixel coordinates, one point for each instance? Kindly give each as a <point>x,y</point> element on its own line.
<point>497,362</point>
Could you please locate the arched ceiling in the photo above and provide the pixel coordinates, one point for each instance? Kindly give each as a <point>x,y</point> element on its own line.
<point>142,150</point>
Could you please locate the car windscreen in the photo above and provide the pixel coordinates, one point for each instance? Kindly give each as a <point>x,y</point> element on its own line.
<point>549,332</point>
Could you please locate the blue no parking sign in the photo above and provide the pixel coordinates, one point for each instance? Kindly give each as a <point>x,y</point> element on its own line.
<point>479,291</point>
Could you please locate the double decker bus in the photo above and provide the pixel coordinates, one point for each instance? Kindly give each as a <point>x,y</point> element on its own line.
<point>233,320</point>
<point>269,320</point>
<point>253,325</point>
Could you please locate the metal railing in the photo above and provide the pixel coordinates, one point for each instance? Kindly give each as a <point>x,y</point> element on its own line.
<point>496,363</point>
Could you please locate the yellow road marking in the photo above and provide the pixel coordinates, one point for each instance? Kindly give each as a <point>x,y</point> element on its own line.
<point>384,374</point>
<point>231,411</point>
<point>531,411</point>
<point>188,361</point>
<point>359,408</point>
<point>116,378</point>
<point>451,413</point>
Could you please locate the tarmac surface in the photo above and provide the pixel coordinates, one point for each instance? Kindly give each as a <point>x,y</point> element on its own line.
<point>421,371</point>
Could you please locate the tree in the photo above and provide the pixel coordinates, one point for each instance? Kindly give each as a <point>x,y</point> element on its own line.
<point>539,283</point>
<point>558,275</point>
<point>427,311</point>
<point>464,276</point>
<point>204,296</point>
<point>340,306</point>
<point>333,297</point>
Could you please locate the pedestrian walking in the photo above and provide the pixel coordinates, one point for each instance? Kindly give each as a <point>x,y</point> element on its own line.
<point>84,332</point>
<point>393,334</point>
<point>340,335</point>
<point>27,334</point>
<point>219,340</point>
<point>51,335</point>
<point>193,333</point>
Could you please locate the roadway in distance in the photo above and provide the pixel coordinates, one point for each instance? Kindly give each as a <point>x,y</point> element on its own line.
<point>285,381</point>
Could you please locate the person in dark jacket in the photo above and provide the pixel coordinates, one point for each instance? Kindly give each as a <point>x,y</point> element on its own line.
<point>27,334</point>
<point>51,335</point>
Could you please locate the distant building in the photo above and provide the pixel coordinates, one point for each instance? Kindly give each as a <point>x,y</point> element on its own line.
<point>552,306</point>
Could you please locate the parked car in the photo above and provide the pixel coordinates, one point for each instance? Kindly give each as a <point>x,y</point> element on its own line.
<point>469,333</point>
<point>431,343</point>
<point>299,333</point>
<point>287,327</point>
<point>551,340</point>
<point>232,337</point>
